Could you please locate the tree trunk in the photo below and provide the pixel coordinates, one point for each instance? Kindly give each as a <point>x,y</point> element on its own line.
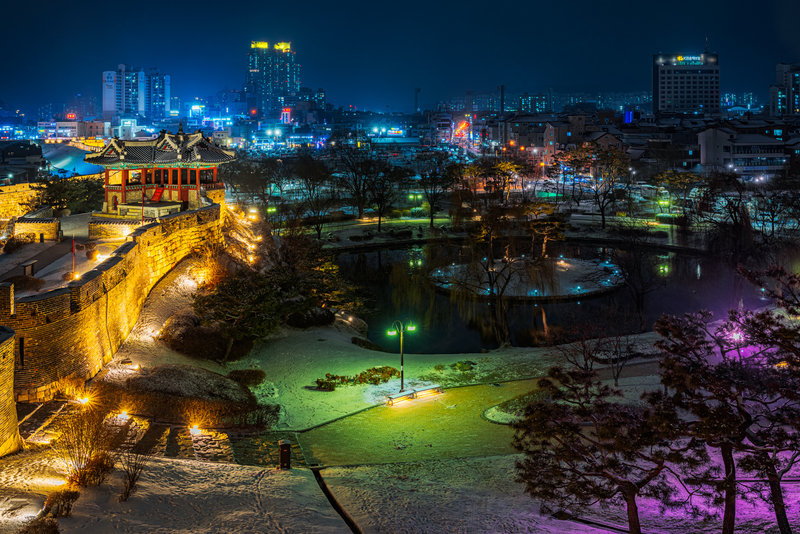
<point>433,213</point>
<point>228,350</point>
<point>602,218</point>
<point>634,527</point>
<point>379,221</point>
<point>729,512</point>
<point>776,495</point>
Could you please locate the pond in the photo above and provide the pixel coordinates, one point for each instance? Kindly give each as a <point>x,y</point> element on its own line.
<point>397,282</point>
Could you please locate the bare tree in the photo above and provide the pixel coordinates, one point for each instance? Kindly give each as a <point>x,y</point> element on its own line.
<point>314,178</point>
<point>610,165</point>
<point>436,178</point>
<point>358,172</point>
<point>385,187</point>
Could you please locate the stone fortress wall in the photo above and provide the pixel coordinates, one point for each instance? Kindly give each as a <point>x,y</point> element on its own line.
<point>43,229</point>
<point>9,434</point>
<point>73,331</point>
<point>14,200</point>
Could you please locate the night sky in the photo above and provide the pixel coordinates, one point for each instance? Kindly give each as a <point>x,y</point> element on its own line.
<point>372,54</point>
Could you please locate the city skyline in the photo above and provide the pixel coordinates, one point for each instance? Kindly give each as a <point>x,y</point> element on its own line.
<point>374,57</point>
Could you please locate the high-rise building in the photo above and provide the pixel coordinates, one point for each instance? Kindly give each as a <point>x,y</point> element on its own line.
<point>538,103</point>
<point>273,76</point>
<point>784,96</point>
<point>157,98</point>
<point>128,91</point>
<point>686,84</point>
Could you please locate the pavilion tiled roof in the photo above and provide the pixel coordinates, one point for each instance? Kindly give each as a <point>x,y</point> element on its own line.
<point>168,149</point>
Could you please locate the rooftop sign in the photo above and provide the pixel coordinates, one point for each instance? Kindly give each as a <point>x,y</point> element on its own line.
<point>689,60</point>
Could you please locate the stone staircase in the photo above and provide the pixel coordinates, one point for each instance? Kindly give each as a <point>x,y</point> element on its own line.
<point>138,434</point>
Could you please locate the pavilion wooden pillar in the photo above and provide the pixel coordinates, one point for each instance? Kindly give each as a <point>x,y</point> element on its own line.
<point>197,182</point>
<point>161,176</point>
<point>106,188</point>
<point>169,182</point>
<point>125,174</point>
<point>180,192</point>
<point>214,176</point>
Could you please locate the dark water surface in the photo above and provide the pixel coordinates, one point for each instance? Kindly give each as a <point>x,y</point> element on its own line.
<point>395,280</point>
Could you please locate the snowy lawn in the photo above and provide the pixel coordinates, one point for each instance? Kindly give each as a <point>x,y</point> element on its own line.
<point>187,496</point>
<point>480,495</point>
<point>472,495</point>
<point>294,359</point>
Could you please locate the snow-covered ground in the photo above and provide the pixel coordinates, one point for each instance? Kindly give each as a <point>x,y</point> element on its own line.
<point>480,495</point>
<point>464,495</point>
<point>188,496</point>
<point>170,295</point>
<point>26,478</point>
<point>53,273</point>
<point>294,359</point>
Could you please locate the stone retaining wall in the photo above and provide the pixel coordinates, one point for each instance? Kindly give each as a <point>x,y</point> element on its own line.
<point>9,432</point>
<point>14,200</point>
<point>42,228</point>
<point>73,331</point>
<point>114,228</point>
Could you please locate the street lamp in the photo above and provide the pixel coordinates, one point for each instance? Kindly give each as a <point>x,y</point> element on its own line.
<point>398,327</point>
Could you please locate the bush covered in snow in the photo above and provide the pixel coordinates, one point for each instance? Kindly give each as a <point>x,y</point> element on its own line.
<point>184,333</point>
<point>26,283</point>
<point>310,317</point>
<point>41,525</point>
<point>373,375</point>
<point>59,503</point>
<point>189,395</point>
<point>248,378</point>
<point>18,241</point>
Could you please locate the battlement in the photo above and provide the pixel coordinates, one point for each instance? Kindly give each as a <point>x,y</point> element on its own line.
<point>73,331</point>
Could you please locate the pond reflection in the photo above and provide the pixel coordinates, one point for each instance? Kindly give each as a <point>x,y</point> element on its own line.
<point>656,283</point>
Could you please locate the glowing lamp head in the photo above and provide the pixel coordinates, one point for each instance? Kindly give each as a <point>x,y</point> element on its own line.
<point>194,430</point>
<point>411,328</point>
<point>84,400</point>
<point>391,332</point>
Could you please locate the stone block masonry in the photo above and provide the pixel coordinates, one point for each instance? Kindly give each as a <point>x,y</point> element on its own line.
<point>15,199</point>
<point>42,229</point>
<point>75,330</point>
<point>10,440</point>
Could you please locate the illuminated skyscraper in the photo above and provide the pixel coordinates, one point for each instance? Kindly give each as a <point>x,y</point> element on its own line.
<point>273,75</point>
<point>134,92</point>
<point>784,96</point>
<point>686,84</point>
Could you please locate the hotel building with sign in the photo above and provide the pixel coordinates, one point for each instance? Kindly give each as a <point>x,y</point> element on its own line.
<point>684,84</point>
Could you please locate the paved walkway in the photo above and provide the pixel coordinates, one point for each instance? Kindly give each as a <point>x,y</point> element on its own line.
<point>43,259</point>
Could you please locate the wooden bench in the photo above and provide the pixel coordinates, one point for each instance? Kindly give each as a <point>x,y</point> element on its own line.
<point>418,393</point>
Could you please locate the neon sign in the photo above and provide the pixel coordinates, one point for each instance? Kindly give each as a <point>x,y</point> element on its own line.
<point>689,60</point>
